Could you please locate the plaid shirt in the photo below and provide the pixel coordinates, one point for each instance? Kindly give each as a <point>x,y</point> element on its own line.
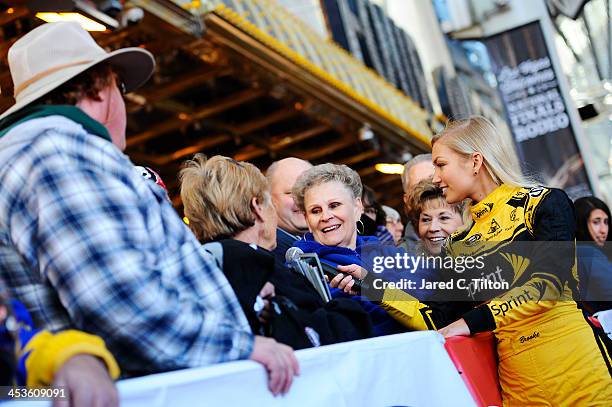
<point>87,242</point>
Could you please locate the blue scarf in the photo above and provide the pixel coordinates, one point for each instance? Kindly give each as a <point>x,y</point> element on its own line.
<point>336,255</point>
<point>383,323</point>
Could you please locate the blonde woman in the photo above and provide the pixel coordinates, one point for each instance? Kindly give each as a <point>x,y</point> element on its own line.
<point>547,352</point>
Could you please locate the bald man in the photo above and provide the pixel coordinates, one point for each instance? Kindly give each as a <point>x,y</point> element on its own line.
<point>282,175</point>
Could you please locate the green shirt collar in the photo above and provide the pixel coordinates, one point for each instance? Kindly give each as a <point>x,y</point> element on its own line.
<point>71,112</point>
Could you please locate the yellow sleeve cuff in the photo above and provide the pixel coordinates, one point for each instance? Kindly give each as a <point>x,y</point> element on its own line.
<point>404,308</point>
<point>50,352</point>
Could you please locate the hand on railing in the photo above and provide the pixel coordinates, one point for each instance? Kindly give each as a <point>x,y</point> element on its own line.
<point>280,362</point>
<point>457,328</point>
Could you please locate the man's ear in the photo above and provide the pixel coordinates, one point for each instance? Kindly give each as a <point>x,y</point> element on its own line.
<point>96,108</point>
<point>257,209</point>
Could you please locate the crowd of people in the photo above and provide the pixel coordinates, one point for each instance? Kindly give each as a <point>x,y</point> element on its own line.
<point>94,255</point>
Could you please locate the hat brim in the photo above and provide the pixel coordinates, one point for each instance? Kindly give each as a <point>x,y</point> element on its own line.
<point>134,65</point>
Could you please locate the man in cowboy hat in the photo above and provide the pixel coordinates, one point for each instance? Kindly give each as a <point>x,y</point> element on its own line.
<point>85,240</point>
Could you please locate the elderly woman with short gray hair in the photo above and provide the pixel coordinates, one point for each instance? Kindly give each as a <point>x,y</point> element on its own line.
<point>330,197</point>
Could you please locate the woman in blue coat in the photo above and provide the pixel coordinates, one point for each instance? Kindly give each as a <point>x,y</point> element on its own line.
<point>330,197</point>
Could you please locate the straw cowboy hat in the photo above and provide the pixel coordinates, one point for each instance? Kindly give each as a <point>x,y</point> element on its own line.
<point>54,53</point>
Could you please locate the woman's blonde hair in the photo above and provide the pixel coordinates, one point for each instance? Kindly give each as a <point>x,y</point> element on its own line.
<point>423,193</point>
<point>477,134</point>
<point>217,194</point>
<point>322,173</point>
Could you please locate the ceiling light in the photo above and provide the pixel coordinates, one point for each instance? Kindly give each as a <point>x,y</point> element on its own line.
<point>389,168</point>
<point>84,12</point>
<point>85,22</point>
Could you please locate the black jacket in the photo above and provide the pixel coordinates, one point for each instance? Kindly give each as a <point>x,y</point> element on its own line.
<point>247,268</point>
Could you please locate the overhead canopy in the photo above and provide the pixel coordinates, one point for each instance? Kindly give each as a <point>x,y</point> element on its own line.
<point>324,65</point>
<point>330,66</point>
<point>249,80</point>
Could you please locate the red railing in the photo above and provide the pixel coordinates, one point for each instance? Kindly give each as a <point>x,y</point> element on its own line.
<point>475,358</point>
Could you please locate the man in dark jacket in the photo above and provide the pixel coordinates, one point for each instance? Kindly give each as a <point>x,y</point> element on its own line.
<point>304,318</point>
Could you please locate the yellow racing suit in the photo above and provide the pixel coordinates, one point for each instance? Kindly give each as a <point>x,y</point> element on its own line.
<point>548,354</point>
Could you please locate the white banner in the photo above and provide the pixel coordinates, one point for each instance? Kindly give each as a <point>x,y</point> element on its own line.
<point>410,369</point>
<point>605,319</point>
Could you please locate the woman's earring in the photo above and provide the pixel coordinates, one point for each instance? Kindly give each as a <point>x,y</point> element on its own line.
<point>475,172</point>
<point>359,222</point>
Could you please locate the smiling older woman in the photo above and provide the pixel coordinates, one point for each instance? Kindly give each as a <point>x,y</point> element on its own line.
<point>433,218</point>
<point>330,197</point>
